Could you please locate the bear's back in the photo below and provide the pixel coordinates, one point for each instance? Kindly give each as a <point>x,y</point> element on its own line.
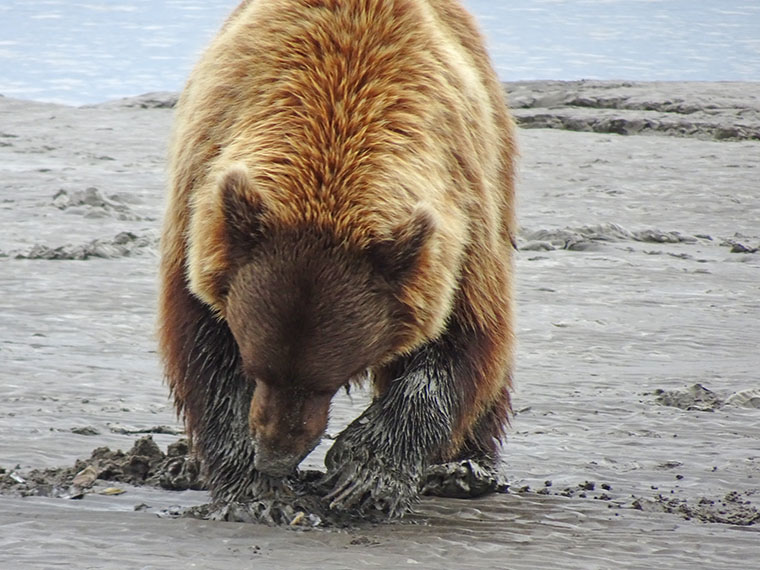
<point>347,113</point>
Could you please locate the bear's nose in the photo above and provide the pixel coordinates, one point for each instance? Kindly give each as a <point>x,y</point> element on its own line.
<point>275,463</point>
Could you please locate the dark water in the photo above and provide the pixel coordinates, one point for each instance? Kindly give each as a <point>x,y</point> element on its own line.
<point>86,52</point>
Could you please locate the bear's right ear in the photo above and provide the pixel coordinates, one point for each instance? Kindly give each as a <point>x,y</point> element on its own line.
<point>225,225</point>
<point>243,206</point>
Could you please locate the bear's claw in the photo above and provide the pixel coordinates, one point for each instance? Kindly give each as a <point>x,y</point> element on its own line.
<point>369,489</point>
<point>304,512</point>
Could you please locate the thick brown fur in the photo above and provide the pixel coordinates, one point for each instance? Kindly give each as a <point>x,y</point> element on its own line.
<point>365,138</point>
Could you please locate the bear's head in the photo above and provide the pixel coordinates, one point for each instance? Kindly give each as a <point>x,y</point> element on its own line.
<point>309,311</point>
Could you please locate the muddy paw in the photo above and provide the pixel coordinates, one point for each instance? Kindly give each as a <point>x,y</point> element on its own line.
<point>463,480</point>
<point>296,501</point>
<point>305,512</point>
<point>181,473</point>
<point>370,490</point>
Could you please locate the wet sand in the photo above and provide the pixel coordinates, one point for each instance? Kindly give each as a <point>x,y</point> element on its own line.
<point>635,442</point>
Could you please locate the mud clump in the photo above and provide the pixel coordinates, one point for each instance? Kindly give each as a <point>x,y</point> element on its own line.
<point>124,244</point>
<point>463,479</point>
<point>582,490</point>
<point>698,398</point>
<point>692,398</point>
<point>143,464</point>
<point>733,509</point>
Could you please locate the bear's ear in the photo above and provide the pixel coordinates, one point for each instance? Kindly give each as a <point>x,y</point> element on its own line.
<point>225,225</point>
<point>396,256</point>
<point>243,206</point>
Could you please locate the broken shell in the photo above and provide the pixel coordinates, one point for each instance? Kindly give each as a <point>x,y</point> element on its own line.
<point>86,477</point>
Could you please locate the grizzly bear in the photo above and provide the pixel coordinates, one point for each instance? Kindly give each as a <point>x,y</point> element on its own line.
<point>340,207</point>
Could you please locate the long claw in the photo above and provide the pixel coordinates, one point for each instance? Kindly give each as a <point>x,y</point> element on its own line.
<point>339,497</point>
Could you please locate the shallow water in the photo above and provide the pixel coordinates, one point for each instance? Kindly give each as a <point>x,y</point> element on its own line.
<point>602,328</point>
<point>77,52</point>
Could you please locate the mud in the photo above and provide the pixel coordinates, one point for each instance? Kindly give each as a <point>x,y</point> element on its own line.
<point>143,464</point>
<point>298,502</point>
<point>302,505</point>
<point>634,442</point>
<point>699,110</point>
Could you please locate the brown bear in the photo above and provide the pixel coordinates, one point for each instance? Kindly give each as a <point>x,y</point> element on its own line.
<point>341,206</point>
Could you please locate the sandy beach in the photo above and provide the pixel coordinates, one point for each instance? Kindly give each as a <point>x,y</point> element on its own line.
<point>635,442</point>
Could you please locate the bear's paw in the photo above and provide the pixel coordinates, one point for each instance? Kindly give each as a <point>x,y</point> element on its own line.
<point>366,485</point>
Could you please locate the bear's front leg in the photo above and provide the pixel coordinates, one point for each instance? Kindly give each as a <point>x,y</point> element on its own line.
<point>376,464</point>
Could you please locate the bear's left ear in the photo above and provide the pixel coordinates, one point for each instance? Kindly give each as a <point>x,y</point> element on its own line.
<point>396,256</point>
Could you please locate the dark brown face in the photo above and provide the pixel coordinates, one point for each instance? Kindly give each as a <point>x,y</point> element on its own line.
<point>307,317</point>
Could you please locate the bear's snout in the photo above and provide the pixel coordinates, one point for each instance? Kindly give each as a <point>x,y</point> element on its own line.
<point>275,463</point>
<point>285,426</point>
